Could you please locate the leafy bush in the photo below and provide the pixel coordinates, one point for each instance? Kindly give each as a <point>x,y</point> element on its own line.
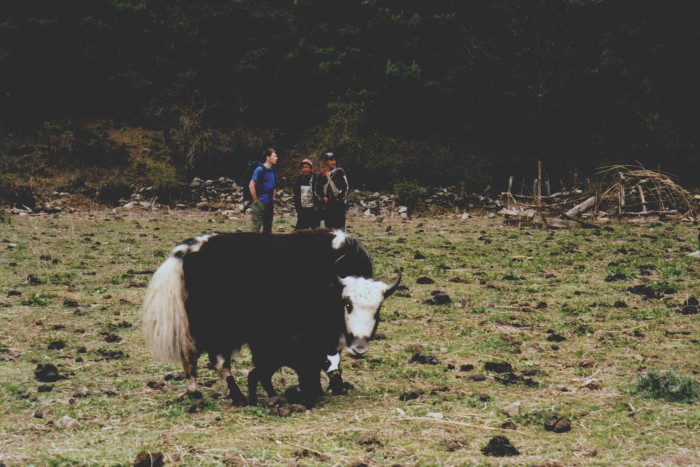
<point>38,299</point>
<point>667,386</point>
<point>410,194</point>
<point>87,147</point>
<point>111,191</point>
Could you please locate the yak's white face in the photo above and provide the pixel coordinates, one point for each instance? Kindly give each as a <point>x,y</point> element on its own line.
<point>362,299</point>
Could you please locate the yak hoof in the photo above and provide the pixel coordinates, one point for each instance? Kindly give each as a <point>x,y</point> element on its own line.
<point>239,401</point>
<point>338,387</point>
<point>293,395</point>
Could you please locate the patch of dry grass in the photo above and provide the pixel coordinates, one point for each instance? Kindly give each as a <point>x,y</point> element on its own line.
<point>556,305</point>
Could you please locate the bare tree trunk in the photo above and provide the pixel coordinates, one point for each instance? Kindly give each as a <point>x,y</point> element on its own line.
<point>581,207</point>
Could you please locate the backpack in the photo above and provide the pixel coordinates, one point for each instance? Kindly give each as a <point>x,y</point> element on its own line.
<point>250,168</point>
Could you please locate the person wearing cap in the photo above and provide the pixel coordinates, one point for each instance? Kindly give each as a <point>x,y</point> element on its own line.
<point>263,187</point>
<point>331,190</point>
<point>307,209</point>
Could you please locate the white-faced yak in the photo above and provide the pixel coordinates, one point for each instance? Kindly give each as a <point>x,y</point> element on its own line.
<point>293,298</point>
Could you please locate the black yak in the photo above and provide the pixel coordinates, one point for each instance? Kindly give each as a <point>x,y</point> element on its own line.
<point>306,295</point>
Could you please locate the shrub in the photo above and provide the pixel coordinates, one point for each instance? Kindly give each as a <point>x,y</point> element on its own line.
<point>111,191</point>
<point>410,194</point>
<point>667,386</point>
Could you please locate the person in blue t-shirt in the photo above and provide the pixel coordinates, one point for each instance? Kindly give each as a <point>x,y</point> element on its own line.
<point>263,187</point>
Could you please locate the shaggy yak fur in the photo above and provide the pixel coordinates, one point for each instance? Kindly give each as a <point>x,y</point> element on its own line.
<point>293,298</point>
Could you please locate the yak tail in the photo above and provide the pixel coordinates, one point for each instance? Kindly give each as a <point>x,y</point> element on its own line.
<point>165,323</point>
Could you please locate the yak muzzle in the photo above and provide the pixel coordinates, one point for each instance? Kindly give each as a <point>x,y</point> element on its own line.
<point>357,346</point>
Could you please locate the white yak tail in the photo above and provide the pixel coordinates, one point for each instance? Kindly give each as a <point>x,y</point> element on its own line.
<point>165,323</point>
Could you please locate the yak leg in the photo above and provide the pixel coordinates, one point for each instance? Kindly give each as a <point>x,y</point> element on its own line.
<point>336,385</point>
<point>264,377</point>
<point>223,369</point>
<point>189,363</point>
<point>310,385</point>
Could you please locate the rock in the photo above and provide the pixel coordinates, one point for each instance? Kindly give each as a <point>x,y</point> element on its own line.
<point>67,422</point>
<point>500,446</point>
<point>512,410</point>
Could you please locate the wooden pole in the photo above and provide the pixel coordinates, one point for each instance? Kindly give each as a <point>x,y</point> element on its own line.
<point>641,195</point>
<point>539,183</point>
<point>621,204</point>
<point>534,193</point>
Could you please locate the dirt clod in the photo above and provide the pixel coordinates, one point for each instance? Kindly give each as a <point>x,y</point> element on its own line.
<point>500,446</point>
<point>555,337</point>
<point>368,439</point>
<point>557,423</point>
<point>56,345</point>
<point>615,277</point>
<point>452,445</point>
<point>509,425</point>
<point>111,337</point>
<point>412,395</point>
<point>498,367</point>
<point>424,359</point>
<point>646,291</point>
<point>439,298</point>
<point>47,373</point>
<point>149,459</point>
<point>34,280</point>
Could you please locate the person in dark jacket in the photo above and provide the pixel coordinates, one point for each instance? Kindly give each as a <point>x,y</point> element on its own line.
<point>331,190</point>
<point>304,203</point>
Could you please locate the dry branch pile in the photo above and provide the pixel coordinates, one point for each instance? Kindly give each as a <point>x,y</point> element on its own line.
<point>624,192</point>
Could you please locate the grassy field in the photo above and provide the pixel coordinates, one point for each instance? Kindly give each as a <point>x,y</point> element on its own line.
<point>579,315</point>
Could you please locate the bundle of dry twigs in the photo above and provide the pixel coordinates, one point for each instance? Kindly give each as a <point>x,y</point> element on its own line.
<point>637,191</point>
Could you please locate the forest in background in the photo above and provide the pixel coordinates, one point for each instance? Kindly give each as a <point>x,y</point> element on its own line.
<point>433,93</point>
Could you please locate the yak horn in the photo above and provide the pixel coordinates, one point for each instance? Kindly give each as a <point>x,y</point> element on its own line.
<point>392,287</point>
